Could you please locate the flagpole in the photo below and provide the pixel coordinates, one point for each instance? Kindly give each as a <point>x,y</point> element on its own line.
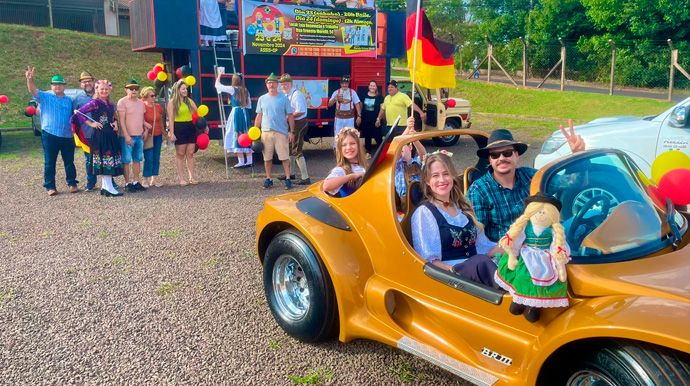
<point>414,55</point>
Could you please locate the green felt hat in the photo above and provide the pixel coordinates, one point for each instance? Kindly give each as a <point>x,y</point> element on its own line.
<point>132,83</point>
<point>272,77</point>
<point>57,79</point>
<point>285,78</point>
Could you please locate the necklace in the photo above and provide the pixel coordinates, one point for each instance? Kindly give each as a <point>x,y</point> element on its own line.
<point>445,203</point>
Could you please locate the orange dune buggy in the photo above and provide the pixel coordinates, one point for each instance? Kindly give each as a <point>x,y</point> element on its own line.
<point>347,266</point>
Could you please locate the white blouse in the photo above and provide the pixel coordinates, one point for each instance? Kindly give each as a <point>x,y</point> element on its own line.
<point>220,88</point>
<point>340,172</point>
<point>427,240</point>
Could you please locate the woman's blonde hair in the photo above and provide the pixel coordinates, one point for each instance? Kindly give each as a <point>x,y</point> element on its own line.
<point>106,84</point>
<point>340,158</point>
<point>241,93</point>
<point>519,226</point>
<point>177,99</point>
<point>456,195</point>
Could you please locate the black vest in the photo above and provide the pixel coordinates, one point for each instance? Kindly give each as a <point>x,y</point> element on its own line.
<point>456,242</point>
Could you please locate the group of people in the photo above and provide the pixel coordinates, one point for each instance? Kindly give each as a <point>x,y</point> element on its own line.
<point>116,137</point>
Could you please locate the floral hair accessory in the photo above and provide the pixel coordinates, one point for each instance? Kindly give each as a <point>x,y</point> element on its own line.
<point>346,129</point>
<point>105,82</point>
<point>439,151</point>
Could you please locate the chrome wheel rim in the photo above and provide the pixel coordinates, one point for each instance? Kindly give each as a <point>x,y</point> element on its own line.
<point>584,196</point>
<point>589,378</point>
<point>291,288</point>
<point>447,138</point>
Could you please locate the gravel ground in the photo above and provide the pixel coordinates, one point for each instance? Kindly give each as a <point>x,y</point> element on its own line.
<point>158,288</point>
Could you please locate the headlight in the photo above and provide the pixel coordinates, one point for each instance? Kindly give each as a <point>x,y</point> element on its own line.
<point>552,144</point>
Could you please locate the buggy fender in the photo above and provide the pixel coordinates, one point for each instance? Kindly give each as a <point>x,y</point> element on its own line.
<point>637,318</point>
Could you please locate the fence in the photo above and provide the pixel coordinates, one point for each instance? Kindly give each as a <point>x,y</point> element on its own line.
<point>645,67</point>
<point>83,16</point>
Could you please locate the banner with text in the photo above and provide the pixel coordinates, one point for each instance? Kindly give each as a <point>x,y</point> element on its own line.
<point>300,30</point>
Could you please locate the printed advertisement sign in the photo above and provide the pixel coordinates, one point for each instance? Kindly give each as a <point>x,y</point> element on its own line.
<point>298,30</point>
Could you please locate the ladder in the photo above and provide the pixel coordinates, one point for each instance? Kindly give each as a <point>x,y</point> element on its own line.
<point>223,47</point>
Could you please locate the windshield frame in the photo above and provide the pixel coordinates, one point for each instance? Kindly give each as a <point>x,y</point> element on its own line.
<point>665,241</point>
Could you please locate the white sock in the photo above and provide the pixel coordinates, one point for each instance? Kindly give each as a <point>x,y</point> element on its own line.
<point>302,164</point>
<point>249,158</point>
<point>107,184</point>
<point>240,162</point>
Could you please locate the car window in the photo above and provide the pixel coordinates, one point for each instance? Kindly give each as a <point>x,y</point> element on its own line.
<point>606,208</point>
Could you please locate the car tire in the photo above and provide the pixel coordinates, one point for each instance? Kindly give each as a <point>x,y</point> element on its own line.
<point>299,289</point>
<point>627,364</point>
<point>449,140</point>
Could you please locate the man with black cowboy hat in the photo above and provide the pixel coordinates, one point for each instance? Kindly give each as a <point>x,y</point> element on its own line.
<point>498,195</point>
<point>346,102</point>
<point>130,110</point>
<point>86,82</point>
<point>298,102</point>
<point>57,136</point>
<point>274,117</point>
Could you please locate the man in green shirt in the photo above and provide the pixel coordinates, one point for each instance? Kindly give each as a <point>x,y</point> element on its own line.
<point>396,103</point>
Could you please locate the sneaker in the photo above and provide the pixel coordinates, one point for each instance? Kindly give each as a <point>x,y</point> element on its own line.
<point>130,188</point>
<point>304,181</point>
<point>138,186</point>
<point>288,184</point>
<point>282,178</point>
<point>89,188</point>
<point>268,184</point>
<point>52,192</point>
<point>73,189</point>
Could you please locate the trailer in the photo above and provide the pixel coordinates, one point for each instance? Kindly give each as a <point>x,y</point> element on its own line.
<point>171,27</point>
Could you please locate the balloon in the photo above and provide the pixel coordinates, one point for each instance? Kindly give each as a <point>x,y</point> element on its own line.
<point>195,116</point>
<point>178,73</point>
<point>254,133</point>
<point>450,102</point>
<point>243,140</point>
<point>185,71</point>
<point>4,99</point>
<point>202,141</point>
<point>31,110</point>
<point>675,184</point>
<point>151,75</point>
<point>257,146</point>
<point>202,110</point>
<point>162,76</point>
<point>160,65</point>
<point>27,115</point>
<point>672,159</point>
<point>200,123</point>
<point>656,196</point>
<point>33,103</point>
<point>158,83</point>
<point>190,80</point>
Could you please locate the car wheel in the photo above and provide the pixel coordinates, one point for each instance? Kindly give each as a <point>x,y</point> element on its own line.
<point>298,288</point>
<point>449,140</point>
<point>629,364</point>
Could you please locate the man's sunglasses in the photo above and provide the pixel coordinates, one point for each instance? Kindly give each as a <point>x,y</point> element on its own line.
<point>505,153</point>
<point>133,88</point>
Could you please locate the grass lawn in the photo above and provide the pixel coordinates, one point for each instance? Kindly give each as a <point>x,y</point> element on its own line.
<point>68,53</point>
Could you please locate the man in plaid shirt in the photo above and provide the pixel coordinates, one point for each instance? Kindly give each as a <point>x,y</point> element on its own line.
<point>498,196</point>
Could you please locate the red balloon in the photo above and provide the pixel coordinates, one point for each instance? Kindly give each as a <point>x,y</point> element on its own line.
<point>31,110</point>
<point>202,141</point>
<point>195,116</point>
<point>675,185</point>
<point>178,72</point>
<point>244,140</point>
<point>157,69</point>
<point>151,75</point>
<point>657,197</point>
<point>450,102</point>
<point>4,99</point>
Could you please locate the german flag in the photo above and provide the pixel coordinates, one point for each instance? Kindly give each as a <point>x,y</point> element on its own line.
<point>434,67</point>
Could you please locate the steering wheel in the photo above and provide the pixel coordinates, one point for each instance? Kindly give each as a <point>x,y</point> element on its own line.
<point>590,223</point>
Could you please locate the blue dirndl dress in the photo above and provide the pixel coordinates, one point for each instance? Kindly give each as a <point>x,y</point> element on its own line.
<point>237,123</point>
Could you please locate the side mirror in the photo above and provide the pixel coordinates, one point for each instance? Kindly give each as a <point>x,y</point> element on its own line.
<point>679,117</point>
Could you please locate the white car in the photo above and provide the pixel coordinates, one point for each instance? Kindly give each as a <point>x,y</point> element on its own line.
<point>642,138</point>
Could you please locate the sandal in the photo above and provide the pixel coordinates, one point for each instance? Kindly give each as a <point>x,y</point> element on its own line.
<point>183,183</point>
<point>193,181</point>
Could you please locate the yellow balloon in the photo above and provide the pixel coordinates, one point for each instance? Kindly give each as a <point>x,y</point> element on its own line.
<point>254,133</point>
<point>202,110</point>
<point>667,161</point>
<point>160,65</point>
<point>162,76</point>
<point>190,80</point>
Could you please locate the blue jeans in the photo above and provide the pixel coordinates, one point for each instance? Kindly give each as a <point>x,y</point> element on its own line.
<point>52,145</point>
<point>134,153</point>
<point>91,179</point>
<point>152,157</point>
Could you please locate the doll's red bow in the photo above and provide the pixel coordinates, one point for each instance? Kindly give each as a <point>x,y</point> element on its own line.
<point>507,237</point>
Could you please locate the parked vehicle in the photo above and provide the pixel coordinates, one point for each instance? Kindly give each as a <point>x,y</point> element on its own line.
<point>642,138</point>
<point>346,267</point>
<point>439,116</point>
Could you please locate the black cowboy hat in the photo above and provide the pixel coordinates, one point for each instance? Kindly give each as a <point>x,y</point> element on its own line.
<point>541,197</point>
<point>500,138</point>
<point>345,78</point>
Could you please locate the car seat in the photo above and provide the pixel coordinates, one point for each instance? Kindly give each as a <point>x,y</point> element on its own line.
<point>414,197</point>
<point>471,174</point>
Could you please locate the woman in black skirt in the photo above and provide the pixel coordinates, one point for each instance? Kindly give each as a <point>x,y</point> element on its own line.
<point>104,145</point>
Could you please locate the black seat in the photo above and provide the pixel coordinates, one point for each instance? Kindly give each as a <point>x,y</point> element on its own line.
<point>471,174</point>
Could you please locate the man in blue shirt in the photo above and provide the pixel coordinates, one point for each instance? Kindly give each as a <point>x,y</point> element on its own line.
<point>86,82</point>
<point>57,136</point>
<point>497,197</point>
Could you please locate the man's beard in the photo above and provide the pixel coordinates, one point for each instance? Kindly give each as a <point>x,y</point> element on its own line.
<point>89,90</point>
